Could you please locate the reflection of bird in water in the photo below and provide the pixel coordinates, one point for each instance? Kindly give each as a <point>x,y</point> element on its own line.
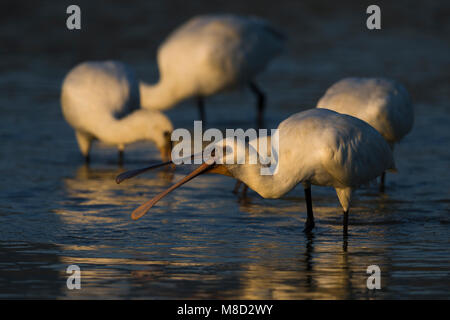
<point>316,147</point>
<point>209,54</point>
<point>310,267</point>
<point>384,104</point>
<point>305,273</point>
<point>100,100</point>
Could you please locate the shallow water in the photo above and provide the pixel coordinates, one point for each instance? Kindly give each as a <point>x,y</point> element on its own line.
<point>202,241</point>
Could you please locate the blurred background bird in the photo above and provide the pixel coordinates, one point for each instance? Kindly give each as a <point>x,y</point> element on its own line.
<point>383,103</point>
<point>210,54</point>
<point>101,101</point>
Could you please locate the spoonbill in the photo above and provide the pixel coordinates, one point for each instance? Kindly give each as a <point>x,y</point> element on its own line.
<point>383,103</point>
<point>316,147</point>
<point>209,54</point>
<point>100,100</point>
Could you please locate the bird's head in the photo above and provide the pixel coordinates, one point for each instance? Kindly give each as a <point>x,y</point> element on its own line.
<point>158,129</point>
<point>230,158</point>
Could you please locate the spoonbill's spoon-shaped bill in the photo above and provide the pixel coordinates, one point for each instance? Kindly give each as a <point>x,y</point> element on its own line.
<point>144,208</point>
<point>133,173</point>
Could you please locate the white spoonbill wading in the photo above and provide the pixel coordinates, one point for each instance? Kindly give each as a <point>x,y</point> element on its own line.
<point>383,103</point>
<point>100,100</point>
<point>316,147</point>
<point>209,54</point>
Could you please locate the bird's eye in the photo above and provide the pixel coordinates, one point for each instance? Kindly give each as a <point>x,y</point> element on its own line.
<point>166,134</point>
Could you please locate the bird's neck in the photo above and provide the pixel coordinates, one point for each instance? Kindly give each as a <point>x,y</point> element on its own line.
<point>268,186</point>
<point>159,96</point>
<point>123,131</point>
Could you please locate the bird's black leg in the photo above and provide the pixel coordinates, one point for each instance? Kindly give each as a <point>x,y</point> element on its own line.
<point>345,223</point>
<point>244,191</point>
<point>345,242</point>
<point>261,104</point>
<point>309,225</point>
<point>382,181</point>
<point>121,156</point>
<point>201,109</point>
<point>87,159</point>
<point>237,186</point>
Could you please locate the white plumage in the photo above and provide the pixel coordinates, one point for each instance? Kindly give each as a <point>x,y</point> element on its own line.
<point>316,147</point>
<point>383,103</point>
<point>325,148</point>
<point>209,54</point>
<point>101,100</point>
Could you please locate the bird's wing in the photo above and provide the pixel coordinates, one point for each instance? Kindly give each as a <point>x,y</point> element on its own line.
<point>227,47</point>
<point>357,155</point>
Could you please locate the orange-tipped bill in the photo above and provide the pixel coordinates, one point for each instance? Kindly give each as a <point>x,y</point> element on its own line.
<point>143,209</point>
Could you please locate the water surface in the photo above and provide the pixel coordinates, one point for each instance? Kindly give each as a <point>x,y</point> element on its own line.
<point>202,241</point>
